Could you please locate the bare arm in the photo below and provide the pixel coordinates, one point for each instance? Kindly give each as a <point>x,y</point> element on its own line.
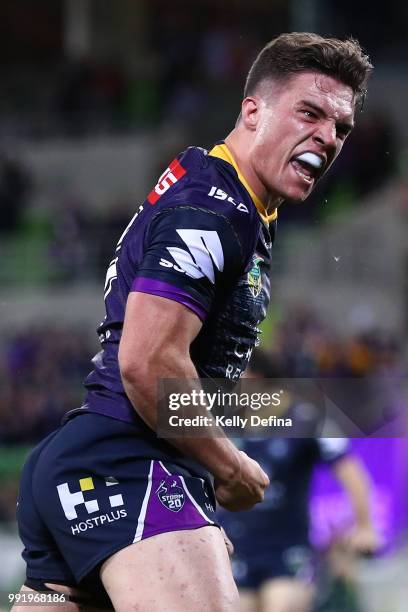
<point>156,339</point>
<point>354,478</point>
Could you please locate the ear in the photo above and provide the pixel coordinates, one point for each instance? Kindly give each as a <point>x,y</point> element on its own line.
<point>250,112</point>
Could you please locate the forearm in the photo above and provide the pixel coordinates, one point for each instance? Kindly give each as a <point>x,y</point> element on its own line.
<point>355,481</point>
<point>215,452</point>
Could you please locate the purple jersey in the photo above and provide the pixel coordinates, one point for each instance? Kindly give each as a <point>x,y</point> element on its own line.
<point>201,238</point>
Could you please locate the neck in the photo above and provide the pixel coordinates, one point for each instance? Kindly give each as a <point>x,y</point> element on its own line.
<point>239,146</point>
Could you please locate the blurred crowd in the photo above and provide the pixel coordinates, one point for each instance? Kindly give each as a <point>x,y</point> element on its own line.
<point>303,346</point>
<point>166,76</point>
<point>41,374</point>
<point>158,61</point>
<point>40,246</point>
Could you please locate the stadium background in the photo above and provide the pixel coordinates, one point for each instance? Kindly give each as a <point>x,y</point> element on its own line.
<point>96,98</point>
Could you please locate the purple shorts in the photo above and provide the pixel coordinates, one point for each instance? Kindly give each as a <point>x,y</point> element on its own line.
<point>94,487</point>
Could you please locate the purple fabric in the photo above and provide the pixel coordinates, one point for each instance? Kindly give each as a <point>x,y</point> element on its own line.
<point>169,508</point>
<point>162,289</point>
<point>386,460</point>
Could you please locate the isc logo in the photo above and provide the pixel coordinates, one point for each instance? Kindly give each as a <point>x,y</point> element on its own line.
<point>219,194</point>
<point>169,177</point>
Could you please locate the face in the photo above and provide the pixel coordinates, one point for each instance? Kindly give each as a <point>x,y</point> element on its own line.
<point>298,131</point>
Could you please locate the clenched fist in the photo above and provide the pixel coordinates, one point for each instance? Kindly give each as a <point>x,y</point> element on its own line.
<point>245,489</point>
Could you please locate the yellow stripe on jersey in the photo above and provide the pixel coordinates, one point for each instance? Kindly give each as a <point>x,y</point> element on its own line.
<point>222,151</point>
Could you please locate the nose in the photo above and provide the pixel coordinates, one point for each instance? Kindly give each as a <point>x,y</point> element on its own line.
<point>326,134</point>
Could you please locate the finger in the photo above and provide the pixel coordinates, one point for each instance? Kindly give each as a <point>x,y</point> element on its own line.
<point>258,496</point>
<point>266,479</point>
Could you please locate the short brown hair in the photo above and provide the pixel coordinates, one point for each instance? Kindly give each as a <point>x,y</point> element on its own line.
<point>290,54</point>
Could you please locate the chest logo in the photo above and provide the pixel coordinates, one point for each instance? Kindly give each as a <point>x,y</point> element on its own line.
<point>254,277</point>
<point>203,256</point>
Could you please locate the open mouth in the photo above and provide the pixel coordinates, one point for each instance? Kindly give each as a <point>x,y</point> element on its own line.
<point>307,166</point>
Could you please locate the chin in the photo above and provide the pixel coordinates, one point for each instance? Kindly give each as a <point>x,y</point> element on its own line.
<point>297,195</point>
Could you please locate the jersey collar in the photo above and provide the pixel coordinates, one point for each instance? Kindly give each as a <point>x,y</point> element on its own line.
<point>222,151</point>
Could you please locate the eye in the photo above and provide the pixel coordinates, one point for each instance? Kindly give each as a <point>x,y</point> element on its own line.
<point>309,114</point>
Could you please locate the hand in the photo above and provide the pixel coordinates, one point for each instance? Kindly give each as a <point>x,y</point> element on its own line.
<point>364,540</point>
<point>244,490</point>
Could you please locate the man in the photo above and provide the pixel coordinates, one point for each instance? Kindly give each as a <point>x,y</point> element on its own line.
<point>274,564</point>
<point>181,302</point>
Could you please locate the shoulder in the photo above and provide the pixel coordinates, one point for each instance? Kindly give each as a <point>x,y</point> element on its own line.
<point>196,181</point>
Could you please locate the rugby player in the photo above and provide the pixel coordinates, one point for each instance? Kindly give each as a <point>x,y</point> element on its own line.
<point>274,563</point>
<point>105,505</point>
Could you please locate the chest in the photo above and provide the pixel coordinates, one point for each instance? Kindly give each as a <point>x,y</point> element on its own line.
<point>230,335</point>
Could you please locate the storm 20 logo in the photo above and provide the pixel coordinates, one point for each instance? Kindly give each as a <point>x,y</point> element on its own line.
<point>171,495</point>
<point>71,500</point>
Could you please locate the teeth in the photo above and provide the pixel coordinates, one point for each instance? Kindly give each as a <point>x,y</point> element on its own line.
<point>306,178</point>
<point>310,158</point>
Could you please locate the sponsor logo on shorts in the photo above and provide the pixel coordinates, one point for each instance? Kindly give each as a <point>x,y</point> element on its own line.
<point>98,521</point>
<point>171,495</point>
<point>70,501</point>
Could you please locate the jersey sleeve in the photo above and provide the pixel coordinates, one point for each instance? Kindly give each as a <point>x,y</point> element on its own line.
<point>190,255</point>
<point>333,449</point>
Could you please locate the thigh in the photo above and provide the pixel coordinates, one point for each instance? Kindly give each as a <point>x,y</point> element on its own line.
<point>286,595</point>
<point>179,570</point>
